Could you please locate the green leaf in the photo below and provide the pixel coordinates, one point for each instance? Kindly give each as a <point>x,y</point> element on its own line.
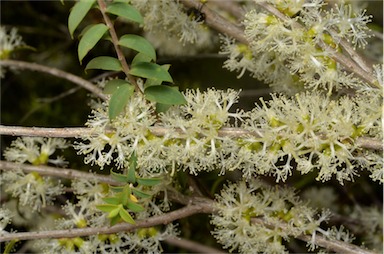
<point>119,177</point>
<point>104,63</point>
<point>150,70</point>
<point>126,216</point>
<point>90,38</point>
<point>154,82</point>
<point>161,108</point>
<point>125,10</point>
<point>140,193</point>
<point>149,181</point>
<point>112,200</point>
<point>78,12</point>
<point>116,188</point>
<point>125,195</point>
<point>115,212</point>
<point>139,44</point>
<point>111,85</point>
<point>164,94</point>
<point>140,57</point>
<point>119,100</point>
<point>135,207</point>
<point>132,168</point>
<point>106,208</point>
<point>115,220</point>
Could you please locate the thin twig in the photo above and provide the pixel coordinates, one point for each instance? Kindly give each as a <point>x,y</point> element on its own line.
<point>70,132</point>
<point>336,246</point>
<point>55,72</point>
<point>163,219</point>
<point>115,41</point>
<point>57,172</point>
<point>232,7</point>
<point>216,21</point>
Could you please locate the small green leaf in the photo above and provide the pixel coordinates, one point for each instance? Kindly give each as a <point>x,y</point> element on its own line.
<point>125,10</point>
<point>112,200</point>
<point>116,188</point>
<point>161,108</point>
<point>119,100</point>
<point>126,216</point>
<point>115,220</point>
<point>164,94</point>
<point>115,212</point>
<point>155,82</point>
<point>90,38</point>
<point>119,177</point>
<point>140,57</point>
<point>125,195</point>
<point>150,70</point>
<point>111,85</point>
<point>139,44</point>
<point>135,207</point>
<point>78,12</point>
<point>132,168</point>
<point>106,208</point>
<point>104,63</point>
<point>140,193</point>
<point>149,181</point>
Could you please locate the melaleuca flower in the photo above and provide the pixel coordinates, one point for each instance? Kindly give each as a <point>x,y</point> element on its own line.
<point>240,207</point>
<point>314,131</point>
<point>9,41</point>
<point>32,190</point>
<point>35,150</point>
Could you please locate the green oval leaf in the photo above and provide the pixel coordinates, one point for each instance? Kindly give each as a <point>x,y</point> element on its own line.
<point>154,82</point>
<point>140,57</point>
<point>149,181</point>
<point>140,194</point>
<point>151,71</point>
<point>78,12</point>
<point>119,177</point>
<point>126,11</point>
<point>106,208</point>
<point>104,63</point>
<point>132,168</point>
<point>135,207</point>
<point>119,100</point>
<point>139,44</point>
<point>112,200</point>
<point>125,195</point>
<point>115,212</point>
<point>111,85</point>
<point>90,38</point>
<point>126,216</point>
<point>164,95</point>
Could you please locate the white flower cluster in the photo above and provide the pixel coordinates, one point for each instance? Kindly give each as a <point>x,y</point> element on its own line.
<point>241,207</point>
<point>191,140</point>
<point>317,133</point>
<point>35,150</point>
<point>285,53</point>
<point>312,130</point>
<point>9,41</point>
<point>31,189</point>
